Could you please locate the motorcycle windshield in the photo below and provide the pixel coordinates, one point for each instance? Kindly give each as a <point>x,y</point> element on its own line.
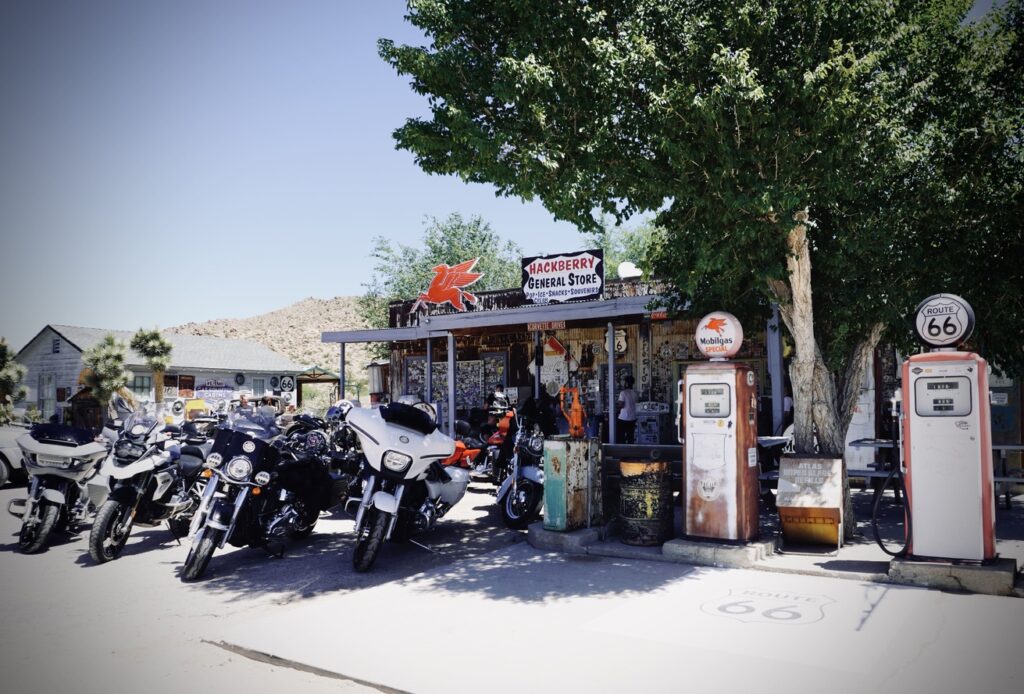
<point>254,424</point>
<point>140,425</point>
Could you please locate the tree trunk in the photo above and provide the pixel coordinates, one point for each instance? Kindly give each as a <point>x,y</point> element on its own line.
<point>158,386</point>
<point>821,411</point>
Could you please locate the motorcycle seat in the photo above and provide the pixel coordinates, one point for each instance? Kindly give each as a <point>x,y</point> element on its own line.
<point>189,465</point>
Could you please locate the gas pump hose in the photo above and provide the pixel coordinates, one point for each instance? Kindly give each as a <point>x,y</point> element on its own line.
<point>895,472</point>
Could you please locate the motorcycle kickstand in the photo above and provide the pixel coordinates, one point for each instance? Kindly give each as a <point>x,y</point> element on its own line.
<point>418,544</point>
<point>175,535</point>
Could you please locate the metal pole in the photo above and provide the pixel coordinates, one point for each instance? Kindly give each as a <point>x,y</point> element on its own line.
<point>611,384</point>
<point>536,364</point>
<point>773,339</point>
<point>341,375</point>
<point>451,385</point>
<point>428,377</point>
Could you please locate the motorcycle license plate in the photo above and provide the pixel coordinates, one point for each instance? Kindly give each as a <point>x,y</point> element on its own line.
<point>51,461</point>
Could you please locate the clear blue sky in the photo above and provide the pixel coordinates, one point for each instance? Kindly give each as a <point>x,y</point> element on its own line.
<point>234,139</point>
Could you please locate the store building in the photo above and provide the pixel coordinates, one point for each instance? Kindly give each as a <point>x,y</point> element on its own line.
<point>211,368</point>
<point>504,338</point>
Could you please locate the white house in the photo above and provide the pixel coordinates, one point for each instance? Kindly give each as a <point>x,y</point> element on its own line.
<point>212,368</point>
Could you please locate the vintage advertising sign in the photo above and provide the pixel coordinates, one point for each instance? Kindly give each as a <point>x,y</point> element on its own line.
<point>555,371</point>
<point>719,335</point>
<point>565,277</point>
<point>810,500</point>
<point>448,286</point>
<point>944,320</point>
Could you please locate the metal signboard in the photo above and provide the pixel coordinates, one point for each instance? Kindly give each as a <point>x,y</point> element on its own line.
<point>575,276</point>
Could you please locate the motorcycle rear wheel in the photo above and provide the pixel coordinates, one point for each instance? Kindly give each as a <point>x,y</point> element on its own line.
<point>370,540</point>
<point>520,506</point>
<point>110,531</point>
<point>199,556</point>
<point>33,535</point>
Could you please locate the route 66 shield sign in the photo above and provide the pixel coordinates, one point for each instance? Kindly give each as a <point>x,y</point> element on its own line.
<point>768,606</point>
<point>944,320</point>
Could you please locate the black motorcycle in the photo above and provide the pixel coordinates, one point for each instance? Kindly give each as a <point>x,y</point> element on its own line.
<point>153,479</point>
<point>262,491</point>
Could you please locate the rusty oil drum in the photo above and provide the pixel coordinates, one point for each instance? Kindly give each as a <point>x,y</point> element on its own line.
<point>645,507</point>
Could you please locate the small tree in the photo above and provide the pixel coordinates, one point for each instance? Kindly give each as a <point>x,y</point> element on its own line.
<point>12,377</point>
<point>620,245</point>
<point>106,372</point>
<point>157,352</point>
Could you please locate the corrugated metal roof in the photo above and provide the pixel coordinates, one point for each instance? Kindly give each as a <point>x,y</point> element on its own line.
<point>192,351</point>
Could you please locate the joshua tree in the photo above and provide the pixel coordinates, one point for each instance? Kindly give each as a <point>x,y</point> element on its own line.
<point>12,374</point>
<point>157,353</point>
<point>106,372</point>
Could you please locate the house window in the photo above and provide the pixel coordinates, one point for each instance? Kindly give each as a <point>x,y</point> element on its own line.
<point>142,385</point>
<point>55,346</point>
<point>47,398</point>
<point>259,386</point>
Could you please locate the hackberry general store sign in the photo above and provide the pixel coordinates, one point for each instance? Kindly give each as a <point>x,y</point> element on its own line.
<point>565,277</point>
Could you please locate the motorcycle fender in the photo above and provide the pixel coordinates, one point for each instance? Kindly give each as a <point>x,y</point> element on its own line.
<point>129,471</point>
<point>533,473</point>
<point>54,496</point>
<point>221,515</point>
<point>98,489</point>
<point>386,503</point>
<point>505,486</point>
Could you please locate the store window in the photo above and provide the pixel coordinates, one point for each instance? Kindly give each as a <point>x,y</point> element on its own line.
<point>141,385</point>
<point>259,386</point>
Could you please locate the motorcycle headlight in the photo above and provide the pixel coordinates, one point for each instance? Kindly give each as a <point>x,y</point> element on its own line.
<point>397,462</point>
<point>239,468</point>
<point>214,460</point>
<point>138,430</point>
<point>536,444</point>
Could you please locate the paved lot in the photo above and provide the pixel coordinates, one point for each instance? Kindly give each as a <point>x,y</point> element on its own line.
<point>131,625</point>
<point>485,613</point>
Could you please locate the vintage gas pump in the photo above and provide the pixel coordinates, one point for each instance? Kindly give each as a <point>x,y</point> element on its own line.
<point>947,451</point>
<point>718,429</point>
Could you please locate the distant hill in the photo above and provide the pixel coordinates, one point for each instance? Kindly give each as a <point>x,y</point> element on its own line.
<point>294,331</point>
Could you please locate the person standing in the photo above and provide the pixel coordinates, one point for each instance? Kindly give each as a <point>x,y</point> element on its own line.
<point>627,413</point>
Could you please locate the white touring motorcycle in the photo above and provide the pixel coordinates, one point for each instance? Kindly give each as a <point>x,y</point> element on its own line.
<point>60,461</point>
<point>406,487</point>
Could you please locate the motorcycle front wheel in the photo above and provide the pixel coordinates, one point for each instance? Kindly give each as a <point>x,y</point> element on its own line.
<point>198,558</point>
<point>110,531</point>
<point>519,506</point>
<point>370,540</point>
<point>33,534</point>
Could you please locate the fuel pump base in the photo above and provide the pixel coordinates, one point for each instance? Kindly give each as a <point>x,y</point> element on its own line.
<point>991,578</point>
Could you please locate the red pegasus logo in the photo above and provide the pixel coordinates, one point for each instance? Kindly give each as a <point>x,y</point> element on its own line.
<point>448,283</point>
<point>716,324</point>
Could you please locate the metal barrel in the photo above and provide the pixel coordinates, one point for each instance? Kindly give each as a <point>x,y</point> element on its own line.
<point>645,507</point>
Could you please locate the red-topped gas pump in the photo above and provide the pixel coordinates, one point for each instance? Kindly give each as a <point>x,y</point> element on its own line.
<point>947,451</point>
<point>718,428</point>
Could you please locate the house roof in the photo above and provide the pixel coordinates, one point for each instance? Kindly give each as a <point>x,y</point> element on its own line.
<point>192,351</point>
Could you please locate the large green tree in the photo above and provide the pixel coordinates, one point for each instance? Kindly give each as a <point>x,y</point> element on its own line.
<point>880,137</point>
<point>402,272</point>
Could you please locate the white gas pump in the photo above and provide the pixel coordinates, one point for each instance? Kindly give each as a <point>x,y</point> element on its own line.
<point>718,428</point>
<point>947,448</point>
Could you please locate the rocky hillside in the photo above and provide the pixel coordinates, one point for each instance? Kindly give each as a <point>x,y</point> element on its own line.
<point>294,331</point>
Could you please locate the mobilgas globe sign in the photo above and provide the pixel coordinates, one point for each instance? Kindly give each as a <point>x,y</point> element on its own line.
<point>719,335</point>
<point>565,277</point>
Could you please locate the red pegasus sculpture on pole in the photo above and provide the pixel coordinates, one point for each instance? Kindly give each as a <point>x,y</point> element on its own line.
<point>447,286</point>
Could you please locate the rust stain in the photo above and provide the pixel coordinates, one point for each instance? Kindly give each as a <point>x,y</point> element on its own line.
<point>556,465</point>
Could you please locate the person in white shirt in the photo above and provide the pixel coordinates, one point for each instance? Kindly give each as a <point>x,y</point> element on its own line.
<point>627,413</point>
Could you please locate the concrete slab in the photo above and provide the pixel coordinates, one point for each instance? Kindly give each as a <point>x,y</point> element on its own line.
<point>575,541</point>
<point>718,554</point>
<point>991,579</point>
<point>591,624</point>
